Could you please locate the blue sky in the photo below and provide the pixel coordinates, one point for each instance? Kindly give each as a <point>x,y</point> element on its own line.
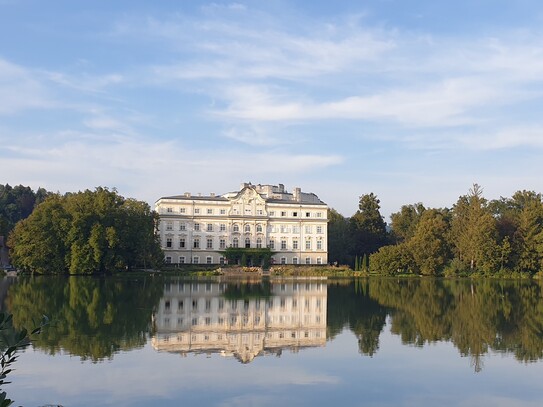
<point>412,100</point>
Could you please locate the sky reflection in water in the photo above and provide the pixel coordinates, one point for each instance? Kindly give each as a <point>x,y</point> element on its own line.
<point>397,374</point>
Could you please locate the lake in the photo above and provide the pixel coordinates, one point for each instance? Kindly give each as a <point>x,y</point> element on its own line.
<point>139,341</point>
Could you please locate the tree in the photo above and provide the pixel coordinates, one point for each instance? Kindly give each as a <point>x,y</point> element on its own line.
<point>474,232</point>
<point>405,222</point>
<point>86,232</point>
<point>339,238</point>
<point>368,227</point>
<point>429,245</point>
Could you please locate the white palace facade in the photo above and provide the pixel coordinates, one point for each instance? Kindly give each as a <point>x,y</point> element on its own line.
<point>195,229</point>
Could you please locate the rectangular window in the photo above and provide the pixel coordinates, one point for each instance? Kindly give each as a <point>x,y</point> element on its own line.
<point>247,211</point>
<point>272,244</point>
<point>223,211</point>
<point>308,229</point>
<point>294,214</point>
<point>182,260</point>
<point>168,259</point>
<point>197,210</point>
<point>272,213</point>
<point>210,227</point>
<point>283,213</point>
<point>210,211</point>
<point>259,212</point>
<point>295,260</point>
<point>319,244</point>
<point>296,229</point>
<point>196,243</point>
<point>209,244</point>
<point>295,245</point>
<point>308,260</point>
<point>196,260</point>
<point>209,259</point>
<point>197,227</point>
<point>283,260</point>
<point>283,244</point>
<point>221,261</point>
<point>319,260</point>
<point>319,214</point>
<point>319,229</point>
<point>222,227</point>
<point>308,245</point>
<point>169,226</point>
<point>169,209</point>
<point>222,244</point>
<point>182,243</point>
<point>168,242</point>
<point>182,210</point>
<point>182,227</point>
<point>308,214</point>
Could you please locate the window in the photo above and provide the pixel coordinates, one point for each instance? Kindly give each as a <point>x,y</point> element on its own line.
<point>222,227</point>
<point>308,229</point>
<point>295,260</point>
<point>209,259</point>
<point>308,245</point>
<point>168,259</point>
<point>182,243</point>
<point>247,211</point>
<point>247,243</point>
<point>210,227</point>
<point>235,228</point>
<point>294,214</point>
<point>210,211</point>
<point>196,243</point>
<point>223,212</point>
<point>283,244</point>
<point>169,226</point>
<point>169,209</point>
<point>295,245</point>
<point>319,214</point>
<point>283,260</point>
<point>182,227</point>
<point>308,260</point>
<point>197,227</point>
<point>259,212</point>
<point>196,210</point>
<point>222,244</point>
<point>182,260</point>
<point>283,213</point>
<point>221,261</point>
<point>168,242</point>
<point>319,244</point>
<point>259,243</point>
<point>209,244</point>
<point>272,213</point>
<point>196,260</point>
<point>182,210</point>
<point>259,228</point>
<point>283,229</point>
<point>319,229</point>
<point>235,242</point>
<point>247,228</point>
<point>308,214</point>
<point>272,244</point>
<point>319,260</point>
<point>296,229</point>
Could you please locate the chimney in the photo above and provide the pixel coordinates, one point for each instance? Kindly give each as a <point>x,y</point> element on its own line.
<point>187,194</point>
<point>297,194</point>
<point>212,194</point>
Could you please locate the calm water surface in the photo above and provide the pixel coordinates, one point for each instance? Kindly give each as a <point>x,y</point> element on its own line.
<point>376,342</point>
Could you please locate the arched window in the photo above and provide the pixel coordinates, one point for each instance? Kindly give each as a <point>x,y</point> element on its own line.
<point>247,242</point>
<point>259,228</point>
<point>235,228</point>
<point>235,242</point>
<point>247,228</point>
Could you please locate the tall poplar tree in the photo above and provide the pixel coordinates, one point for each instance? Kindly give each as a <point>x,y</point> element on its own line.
<point>368,227</point>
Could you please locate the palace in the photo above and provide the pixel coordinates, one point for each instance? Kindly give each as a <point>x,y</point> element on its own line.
<point>196,229</point>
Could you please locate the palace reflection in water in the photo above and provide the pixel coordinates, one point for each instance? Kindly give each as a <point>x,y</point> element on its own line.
<point>234,321</point>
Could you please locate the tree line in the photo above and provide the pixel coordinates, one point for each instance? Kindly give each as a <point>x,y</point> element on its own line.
<point>81,233</point>
<point>475,236</point>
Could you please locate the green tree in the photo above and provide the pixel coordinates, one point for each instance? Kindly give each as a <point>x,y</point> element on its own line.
<point>339,238</point>
<point>429,245</point>
<point>368,227</point>
<point>405,222</point>
<point>392,259</point>
<point>474,233</point>
<point>86,232</point>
